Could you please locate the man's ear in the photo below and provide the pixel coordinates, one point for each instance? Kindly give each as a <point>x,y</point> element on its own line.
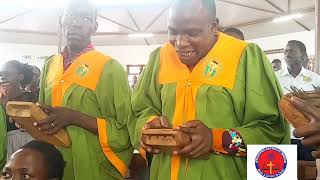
<point>213,27</point>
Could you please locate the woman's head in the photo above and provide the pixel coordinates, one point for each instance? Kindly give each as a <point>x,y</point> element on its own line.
<point>36,160</point>
<point>13,76</point>
<point>16,73</point>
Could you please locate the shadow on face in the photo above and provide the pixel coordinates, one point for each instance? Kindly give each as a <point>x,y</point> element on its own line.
<point>26,164</point>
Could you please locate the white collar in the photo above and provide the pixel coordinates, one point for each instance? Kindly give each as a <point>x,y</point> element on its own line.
<point>303,72</point>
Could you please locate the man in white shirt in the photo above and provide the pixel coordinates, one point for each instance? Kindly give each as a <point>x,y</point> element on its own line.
<point>295,75</point>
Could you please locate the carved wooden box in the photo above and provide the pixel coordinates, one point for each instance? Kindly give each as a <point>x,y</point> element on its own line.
<point>293,115</point>
<point>26,113</point>
<point>166,139</point>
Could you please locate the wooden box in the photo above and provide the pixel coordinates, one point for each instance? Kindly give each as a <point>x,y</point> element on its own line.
<point>26,113</point>
<point>166,139</point>
<point>293,115</point>
<point>307,170</point>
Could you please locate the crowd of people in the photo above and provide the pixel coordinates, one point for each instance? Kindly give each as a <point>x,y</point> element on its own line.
<point>205,81</point>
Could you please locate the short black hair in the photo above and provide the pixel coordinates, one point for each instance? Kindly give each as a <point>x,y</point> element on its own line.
<point>235,31</point>
<point>300,45</point>
<point>51,154</point>
<point>36,67</point>
<point>276,61</point>
<point>24,69</point>
<point>209,5</point>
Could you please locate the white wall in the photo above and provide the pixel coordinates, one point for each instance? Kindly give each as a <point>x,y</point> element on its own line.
<point>139,54</point>
<point>128,54</point>
<point>124,54</point>
<point>17,51</point>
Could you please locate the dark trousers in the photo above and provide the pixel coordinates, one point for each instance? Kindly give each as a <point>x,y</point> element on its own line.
<point>303,152</point>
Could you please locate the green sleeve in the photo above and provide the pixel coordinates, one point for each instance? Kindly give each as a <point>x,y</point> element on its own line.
<point>146,101</point>
<point>113,96</point>
<point>3,138</point>
<point>262,122</point>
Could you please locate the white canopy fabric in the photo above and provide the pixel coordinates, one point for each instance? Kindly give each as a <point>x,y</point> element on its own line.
<point>22,24</point>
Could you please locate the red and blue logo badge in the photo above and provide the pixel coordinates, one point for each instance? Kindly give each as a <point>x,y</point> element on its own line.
<point>271,162</point>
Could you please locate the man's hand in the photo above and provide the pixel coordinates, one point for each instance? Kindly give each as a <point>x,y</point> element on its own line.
<point>59,117</point>
<point>310,132</point>
<point>157,123</point>
<point>201,140</point>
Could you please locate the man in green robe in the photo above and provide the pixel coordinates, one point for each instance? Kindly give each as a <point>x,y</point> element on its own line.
<point>3,138</point>
<point>87,93</point>
<point>219,90</point>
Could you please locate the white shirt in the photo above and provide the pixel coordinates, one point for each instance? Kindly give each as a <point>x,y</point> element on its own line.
<point>305,80</point>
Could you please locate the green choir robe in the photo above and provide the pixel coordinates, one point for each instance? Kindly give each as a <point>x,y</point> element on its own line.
<point>3,137</point>
<point>95,85</point>
<point>234,87</point>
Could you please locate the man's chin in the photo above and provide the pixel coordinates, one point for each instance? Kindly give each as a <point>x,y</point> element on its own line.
<point>289,63</point>
<point>189,61</point>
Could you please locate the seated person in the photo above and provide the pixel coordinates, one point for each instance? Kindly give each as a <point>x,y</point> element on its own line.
<point>13,75</point>
<point>35,160</point>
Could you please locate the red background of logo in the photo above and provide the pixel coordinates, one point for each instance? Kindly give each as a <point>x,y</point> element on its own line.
<point>270,156</point>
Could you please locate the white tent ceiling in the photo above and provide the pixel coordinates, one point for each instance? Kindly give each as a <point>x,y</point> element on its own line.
<point>253,17</point>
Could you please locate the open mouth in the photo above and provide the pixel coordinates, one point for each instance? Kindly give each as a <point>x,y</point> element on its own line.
<point>73,35</point>
<point>185,53</point>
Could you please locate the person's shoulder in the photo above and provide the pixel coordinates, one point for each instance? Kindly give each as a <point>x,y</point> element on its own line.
<point>49,59</point>
<point>311,73</point>
<point>154,56</point>
<point>253,47</point>
<point>111,65</point>
<point>279,73</point>
<point>99,55</point>
<point>157,51</point>
<point>314,76</point>
<point>108,59</point>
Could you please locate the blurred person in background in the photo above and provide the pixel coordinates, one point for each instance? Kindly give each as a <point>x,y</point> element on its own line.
<point>234,32</point>
<point>13,75</point>
<point>33,87</point>
<point>276,65</point>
